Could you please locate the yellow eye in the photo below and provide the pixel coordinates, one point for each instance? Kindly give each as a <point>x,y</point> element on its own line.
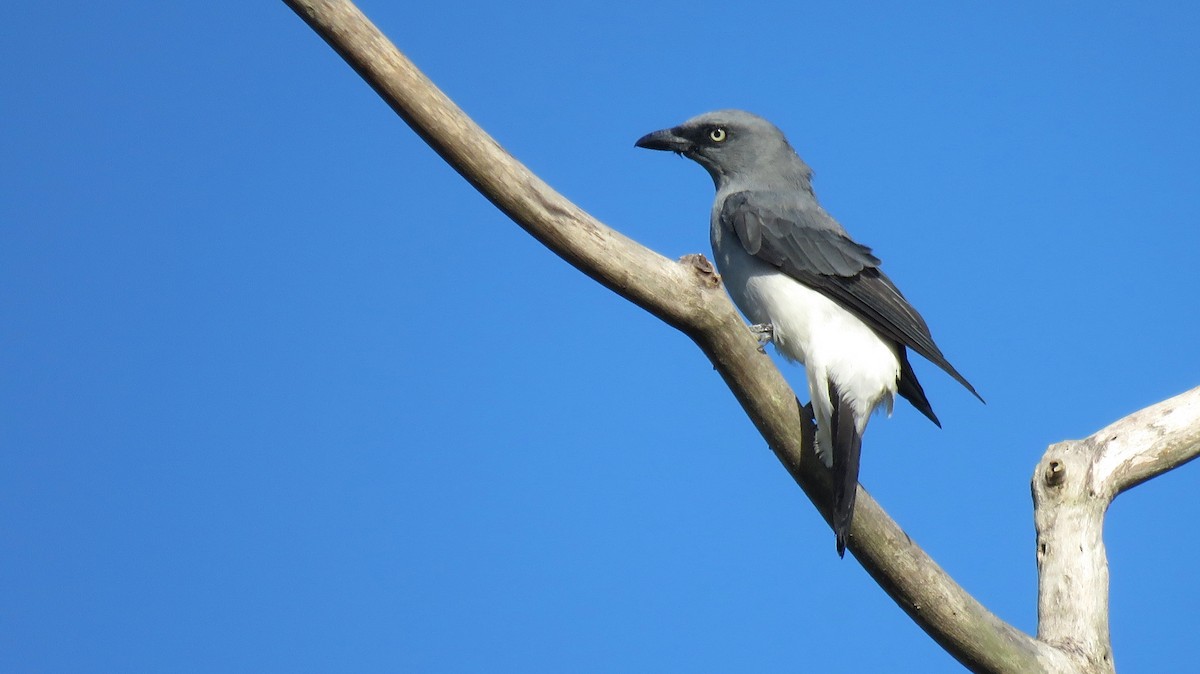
<point>717,134</point>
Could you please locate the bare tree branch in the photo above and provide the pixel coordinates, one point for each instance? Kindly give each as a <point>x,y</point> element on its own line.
<point>687,295</point>
<point>1146,444</point>
<point>1072,488</point>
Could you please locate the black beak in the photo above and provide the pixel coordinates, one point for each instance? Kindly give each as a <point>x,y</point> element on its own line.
<point>666,139</point>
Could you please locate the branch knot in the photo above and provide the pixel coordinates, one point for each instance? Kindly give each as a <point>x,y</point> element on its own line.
<point>702,268</point>
<point>1056,473</point>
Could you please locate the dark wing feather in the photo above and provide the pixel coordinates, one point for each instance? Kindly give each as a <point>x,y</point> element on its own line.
<point>808,246</point>
<point>793,238</point>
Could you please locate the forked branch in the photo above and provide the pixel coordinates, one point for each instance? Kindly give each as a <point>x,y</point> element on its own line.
<point>1072,487</point>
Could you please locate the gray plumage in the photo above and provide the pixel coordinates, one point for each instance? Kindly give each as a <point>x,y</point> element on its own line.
<point>792,269</point>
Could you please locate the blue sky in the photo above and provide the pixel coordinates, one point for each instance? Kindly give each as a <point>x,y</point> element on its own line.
<point>280,392</point>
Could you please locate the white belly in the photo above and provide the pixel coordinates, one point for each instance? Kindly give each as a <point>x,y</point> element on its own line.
<point>831,343</point>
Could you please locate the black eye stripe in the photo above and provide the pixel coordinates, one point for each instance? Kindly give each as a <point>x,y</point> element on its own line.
<point>705,134</point>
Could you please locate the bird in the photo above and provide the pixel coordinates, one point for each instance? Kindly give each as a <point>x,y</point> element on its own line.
<point>818,295</point>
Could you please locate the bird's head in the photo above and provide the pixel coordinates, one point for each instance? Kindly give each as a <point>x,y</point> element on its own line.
<point>733,146</point>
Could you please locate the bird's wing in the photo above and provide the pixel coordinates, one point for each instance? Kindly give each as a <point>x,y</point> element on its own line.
<point>793,238</point>
<point>808,246</point>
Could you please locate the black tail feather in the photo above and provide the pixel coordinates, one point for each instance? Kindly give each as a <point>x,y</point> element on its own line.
<point>910,389</point>
<point>847,448</point>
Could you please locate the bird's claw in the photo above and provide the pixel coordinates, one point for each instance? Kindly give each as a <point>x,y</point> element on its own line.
<point>764,333</point>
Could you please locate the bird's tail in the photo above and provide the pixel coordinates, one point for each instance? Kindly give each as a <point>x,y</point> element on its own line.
<point>847,447</point>
<point>910,389</point>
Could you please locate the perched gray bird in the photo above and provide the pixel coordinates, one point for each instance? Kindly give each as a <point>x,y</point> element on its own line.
<point>807,287</point>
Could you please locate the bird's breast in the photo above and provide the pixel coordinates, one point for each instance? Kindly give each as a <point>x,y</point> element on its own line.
<point>808,326</point>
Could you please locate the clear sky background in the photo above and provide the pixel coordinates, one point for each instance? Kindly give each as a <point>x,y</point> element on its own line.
<point>279,392</point>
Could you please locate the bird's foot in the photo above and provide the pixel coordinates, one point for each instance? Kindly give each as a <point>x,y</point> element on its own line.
<point>764,333</point>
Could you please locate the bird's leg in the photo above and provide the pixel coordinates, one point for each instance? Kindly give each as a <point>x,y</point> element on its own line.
<point>764,333</point>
